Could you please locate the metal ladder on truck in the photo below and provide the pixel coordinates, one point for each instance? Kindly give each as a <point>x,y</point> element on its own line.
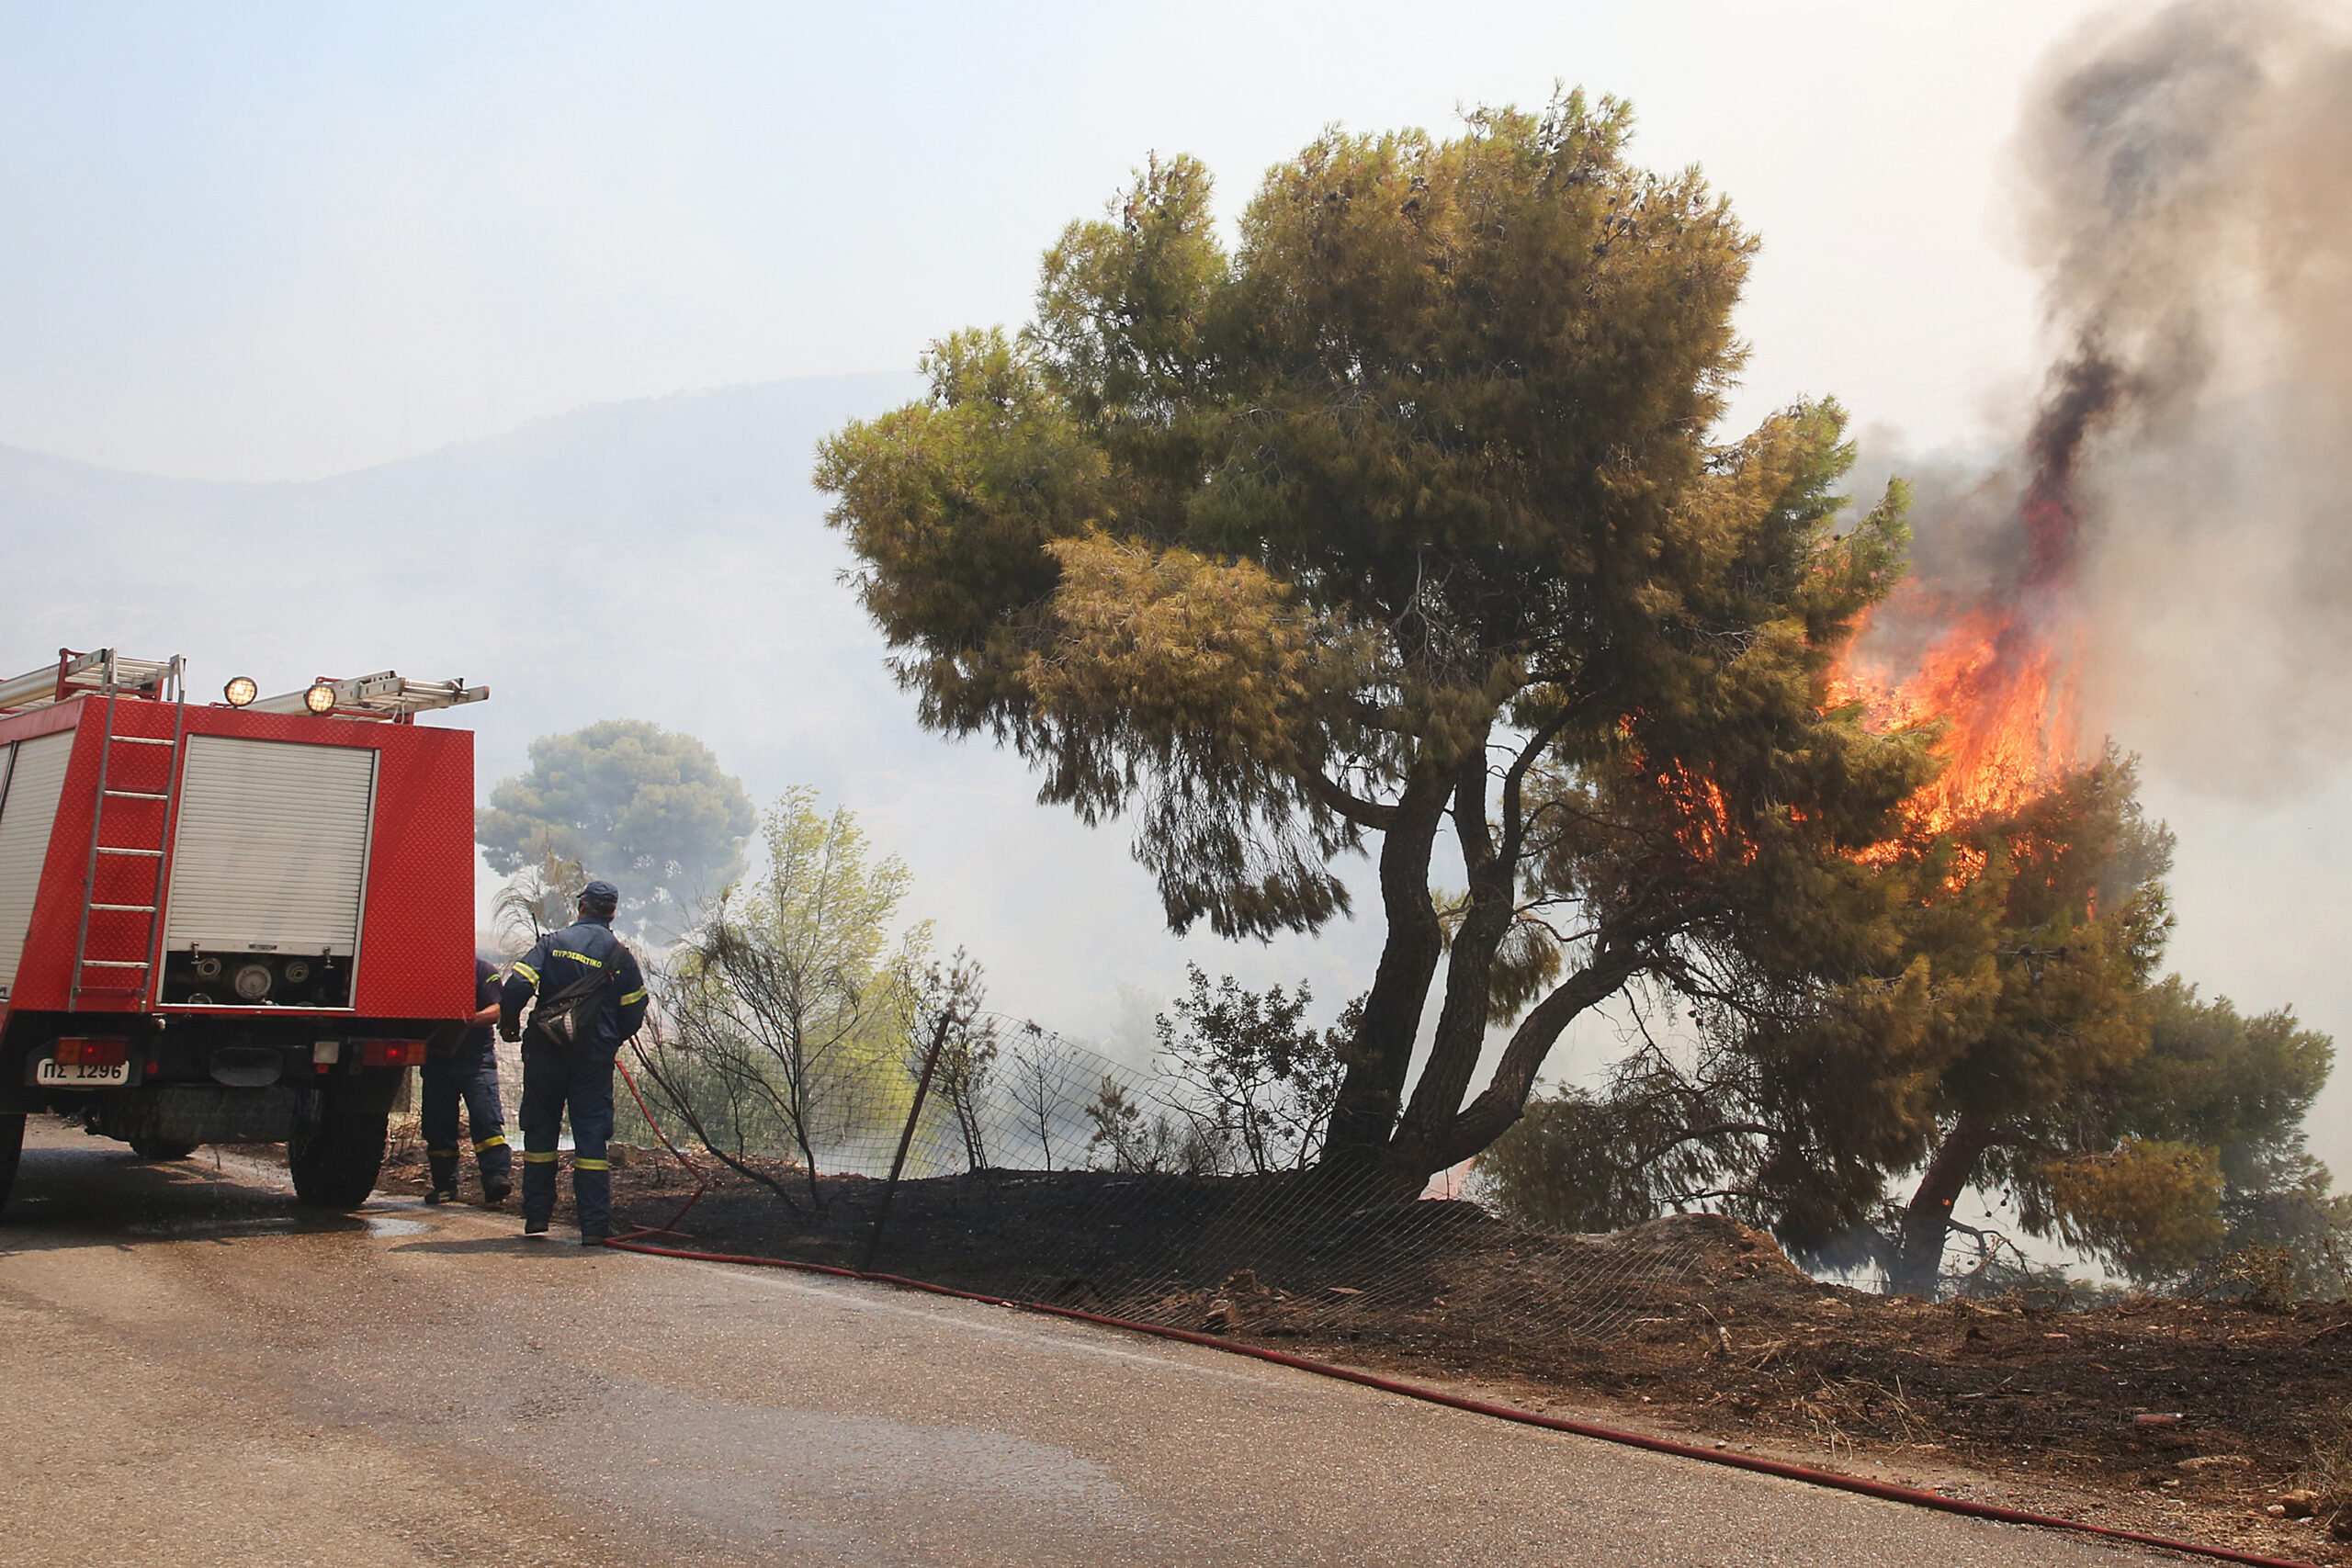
<point>164,680</point>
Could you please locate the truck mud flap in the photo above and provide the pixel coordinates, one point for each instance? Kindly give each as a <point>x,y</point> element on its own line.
<point>206,1114</point>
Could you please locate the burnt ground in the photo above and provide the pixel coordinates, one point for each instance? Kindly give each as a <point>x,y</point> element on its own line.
<point>2180,1417</point>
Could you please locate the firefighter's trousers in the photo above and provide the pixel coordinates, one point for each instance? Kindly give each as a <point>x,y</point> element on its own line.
<point>581,1083</point>
<point>470,1075</point>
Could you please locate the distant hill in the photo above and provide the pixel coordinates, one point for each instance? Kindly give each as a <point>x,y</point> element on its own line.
<point>662,560</point>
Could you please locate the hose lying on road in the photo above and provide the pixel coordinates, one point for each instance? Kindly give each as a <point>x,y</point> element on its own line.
<point>1885,1491</point>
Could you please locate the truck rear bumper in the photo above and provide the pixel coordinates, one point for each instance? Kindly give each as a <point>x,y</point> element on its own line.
<point>211,1081</point>
<point>203,1113</point>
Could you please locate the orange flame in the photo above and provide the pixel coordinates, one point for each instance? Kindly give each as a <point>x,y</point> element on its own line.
<point>1706,816</point>
<point>2006,696</point>
<point>2000,676</point>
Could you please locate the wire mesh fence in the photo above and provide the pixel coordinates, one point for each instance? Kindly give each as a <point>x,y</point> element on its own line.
<point>1033,1167</point>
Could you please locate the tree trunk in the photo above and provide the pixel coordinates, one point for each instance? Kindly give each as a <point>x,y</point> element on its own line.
<point>1469,965</point>
<point>1927,1221</point>
<point>1365,1108</point>
<point>1504,1099</point>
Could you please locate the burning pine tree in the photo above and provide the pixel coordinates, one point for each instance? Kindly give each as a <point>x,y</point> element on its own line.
<point>1982,1011</point>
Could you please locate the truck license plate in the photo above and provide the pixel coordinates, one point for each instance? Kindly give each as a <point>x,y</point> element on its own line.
<point>82,1075</point>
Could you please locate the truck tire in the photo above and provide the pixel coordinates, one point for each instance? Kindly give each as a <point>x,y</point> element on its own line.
<point>160,1149</point>
<point>12,1152</point>
<point>335,1164</point>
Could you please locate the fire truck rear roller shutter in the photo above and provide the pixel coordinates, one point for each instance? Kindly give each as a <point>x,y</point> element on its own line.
<point>272,847</point>
<point>34,778</point>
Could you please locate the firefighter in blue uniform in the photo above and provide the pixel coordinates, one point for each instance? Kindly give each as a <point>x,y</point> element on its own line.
<point>580,1079</point>
<point>468,1074</point>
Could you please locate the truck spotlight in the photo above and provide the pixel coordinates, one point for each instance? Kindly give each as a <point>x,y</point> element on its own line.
<point>240,690</point>
<point>251,982</point>
<point>320,698</point>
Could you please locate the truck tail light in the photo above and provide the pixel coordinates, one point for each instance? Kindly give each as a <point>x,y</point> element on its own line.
<point>392,1053</point>
<point>95,1052</point>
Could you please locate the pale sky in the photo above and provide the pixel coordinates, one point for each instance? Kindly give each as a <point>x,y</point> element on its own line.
<point>279,241</point>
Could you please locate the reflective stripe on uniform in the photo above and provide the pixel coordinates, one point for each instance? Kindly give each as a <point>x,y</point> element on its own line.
<point>539,1156</point>
<point>636,995</point>
<point>576,957</point>
<point>525,971</point>
<point>450,1152</point>
<point>494,1141</point>
<point>592,1164</point>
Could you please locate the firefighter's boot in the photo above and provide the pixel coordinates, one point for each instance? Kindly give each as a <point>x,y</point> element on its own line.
<point>538,1189</point>
<point>442,1165</point>
<point>495,1160</point>
<point>592,1192</point>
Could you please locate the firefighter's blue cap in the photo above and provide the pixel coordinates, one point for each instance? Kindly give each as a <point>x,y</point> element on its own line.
<point>600,895</point>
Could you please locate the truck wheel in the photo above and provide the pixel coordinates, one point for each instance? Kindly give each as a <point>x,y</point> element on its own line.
<point>12,1151</point>
<point>335,1164</point>
<point>160,1149</point>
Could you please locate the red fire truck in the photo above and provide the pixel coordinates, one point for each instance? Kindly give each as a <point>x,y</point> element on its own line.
<point>239,921</point>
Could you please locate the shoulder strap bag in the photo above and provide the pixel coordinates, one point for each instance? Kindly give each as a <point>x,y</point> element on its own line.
<point>557,1023</point>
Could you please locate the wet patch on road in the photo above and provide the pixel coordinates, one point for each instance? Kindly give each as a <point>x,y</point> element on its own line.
<point>382,1225</point>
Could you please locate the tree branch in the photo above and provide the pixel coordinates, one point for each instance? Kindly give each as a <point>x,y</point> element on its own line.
<point>1332,798</point>
<point>1515,820</point>
<point>1697,1135</point>
<point>1471,829</point>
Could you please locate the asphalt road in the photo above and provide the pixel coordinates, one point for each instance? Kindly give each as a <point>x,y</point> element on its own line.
<point>192,1372</point>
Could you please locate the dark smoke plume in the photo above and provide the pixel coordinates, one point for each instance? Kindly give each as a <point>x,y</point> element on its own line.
<point>2183,492</point>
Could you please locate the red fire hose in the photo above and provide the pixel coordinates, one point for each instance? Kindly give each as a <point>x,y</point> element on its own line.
<point>702,1182</point>
<point>1885,1491</point>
